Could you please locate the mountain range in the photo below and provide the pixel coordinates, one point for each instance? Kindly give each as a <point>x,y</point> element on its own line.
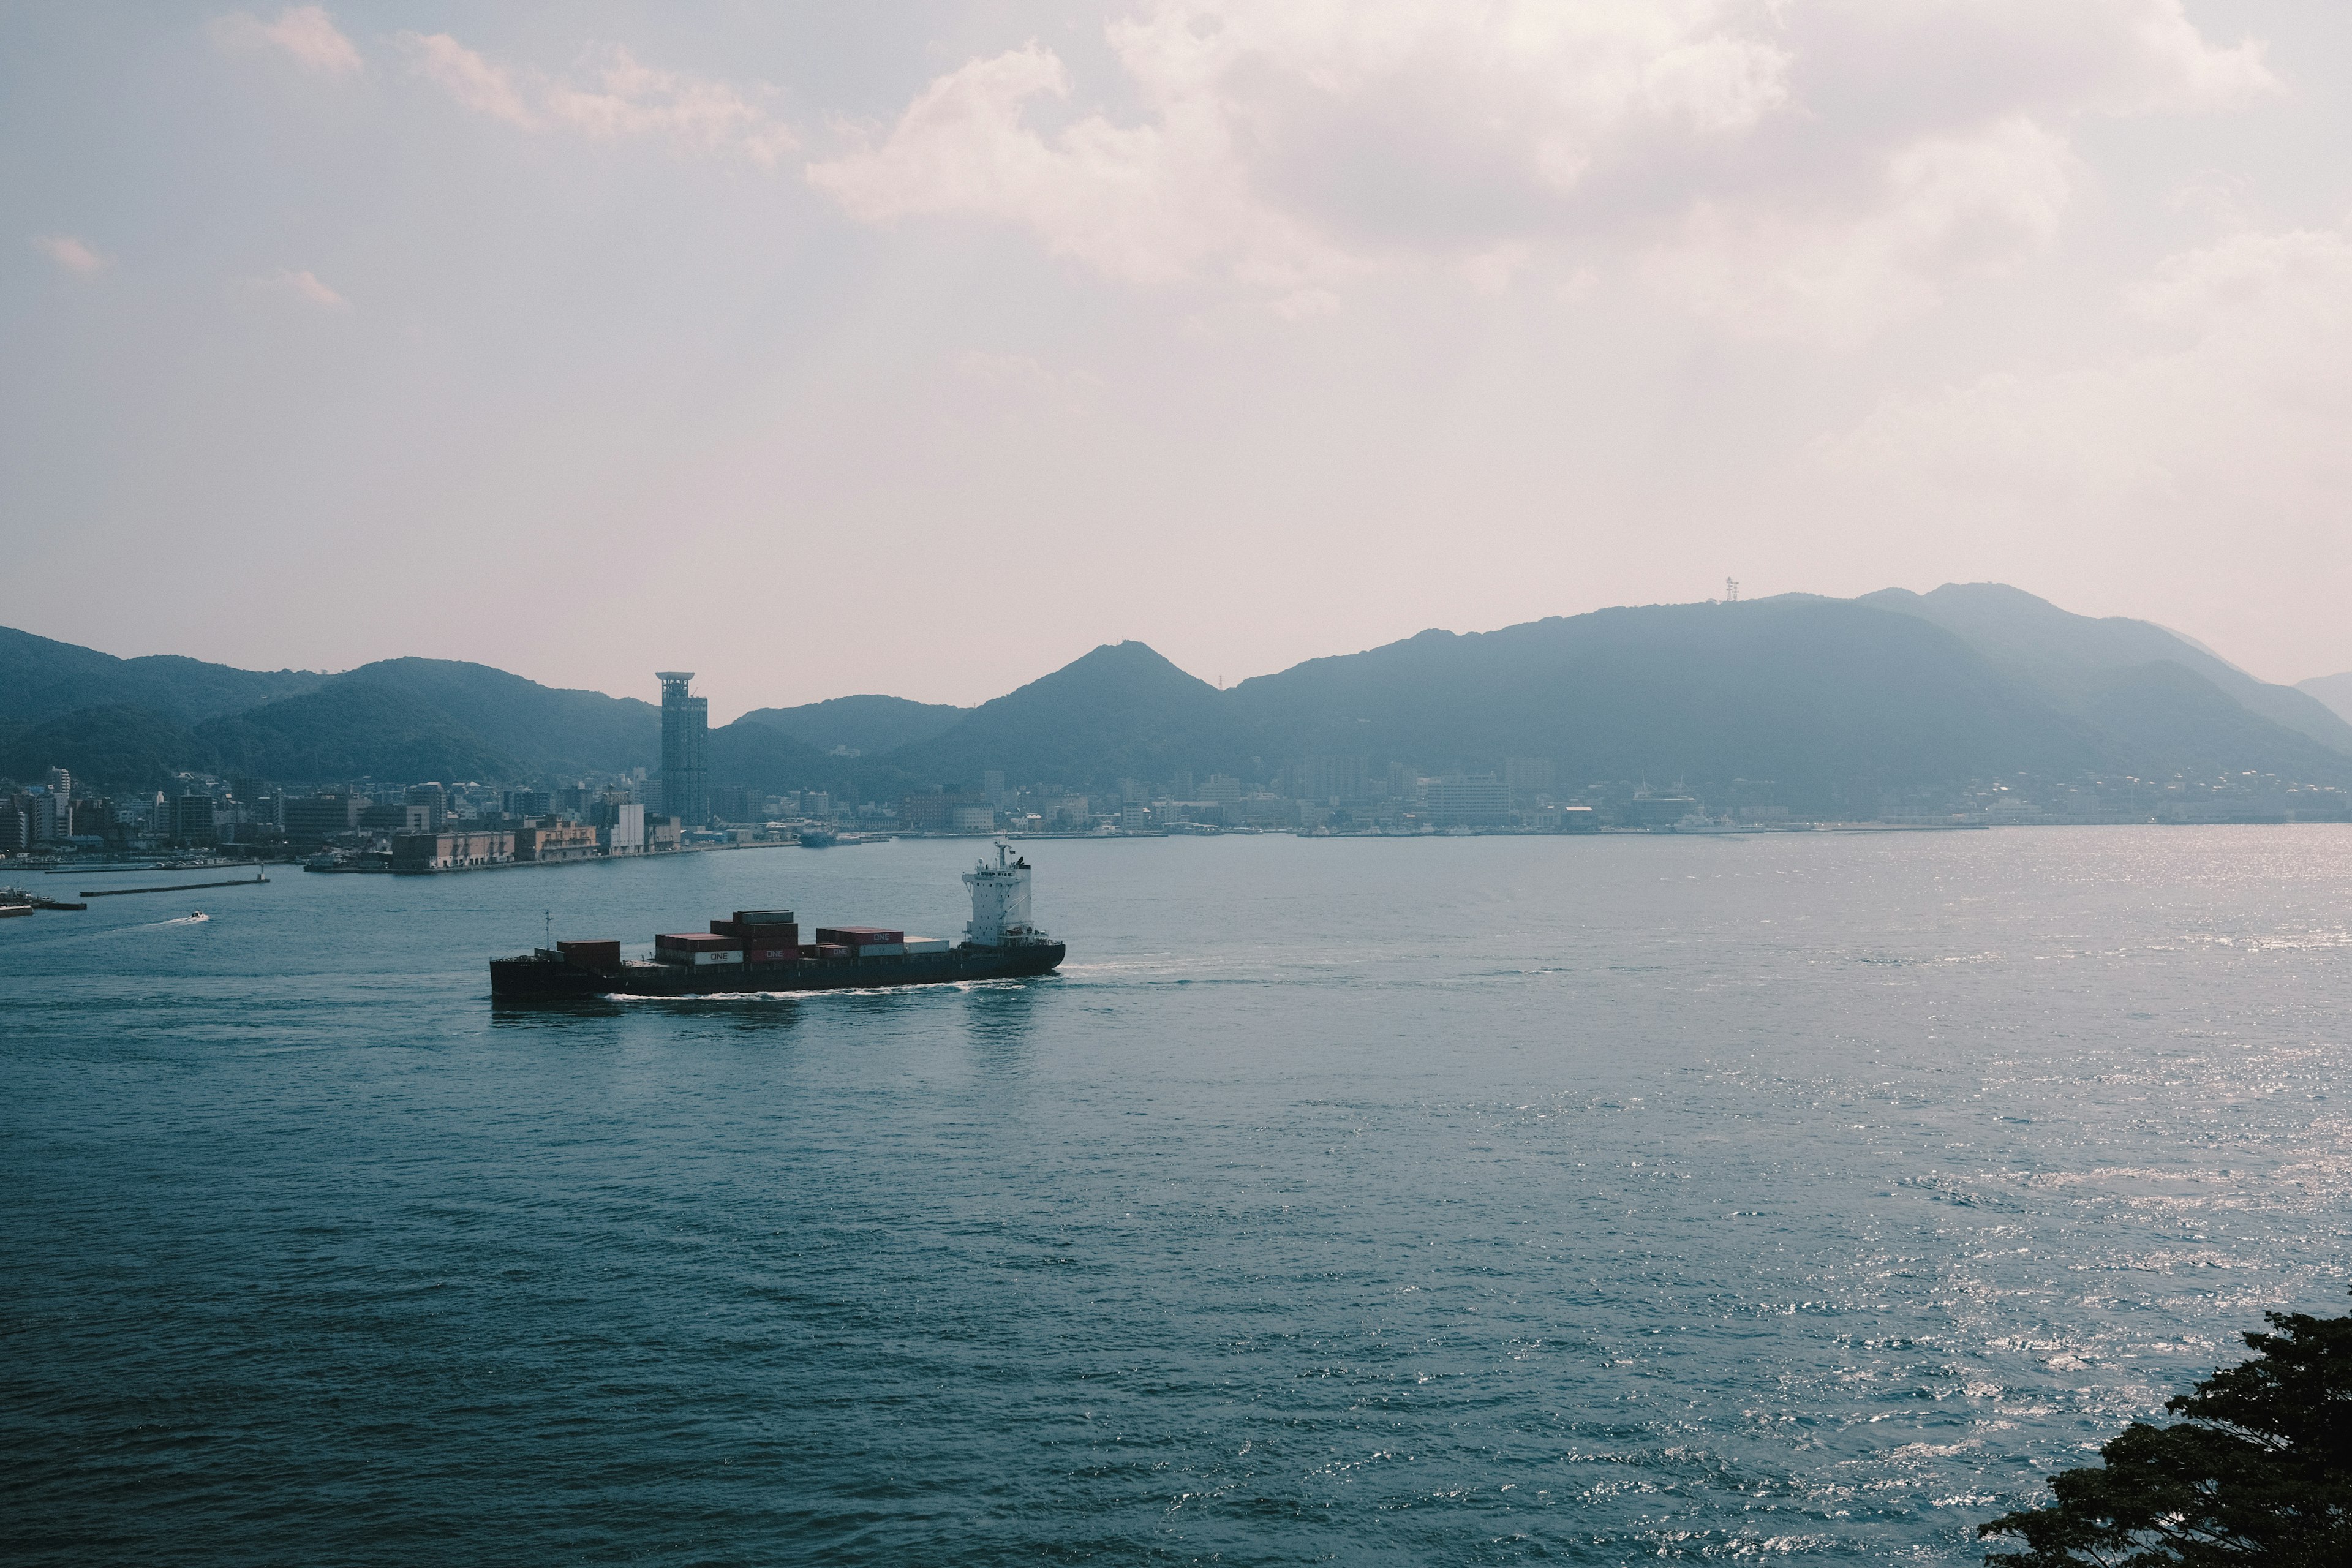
<point>1834,701</point>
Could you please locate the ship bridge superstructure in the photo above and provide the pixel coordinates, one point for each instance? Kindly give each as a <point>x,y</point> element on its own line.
<point>999,902</point>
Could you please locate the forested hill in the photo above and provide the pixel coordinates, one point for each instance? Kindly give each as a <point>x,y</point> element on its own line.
<point>1836,702</point>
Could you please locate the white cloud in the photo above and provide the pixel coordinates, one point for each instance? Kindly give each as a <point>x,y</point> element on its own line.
<point>1939,208</point>
<point>469,79</point>
<point>609,97</point>
<point>75,255</point>
<point>305,32</point>
<point>2209,453</point>
<point>1808,166</point>
<point>304,286</point>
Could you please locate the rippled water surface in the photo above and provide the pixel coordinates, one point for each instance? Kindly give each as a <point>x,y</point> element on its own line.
<point>1421,1201</point>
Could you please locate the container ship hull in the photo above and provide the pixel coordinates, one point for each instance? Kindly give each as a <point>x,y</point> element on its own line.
<point>546,975</point>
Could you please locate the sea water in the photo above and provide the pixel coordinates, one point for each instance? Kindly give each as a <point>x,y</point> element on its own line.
<point>1449,1201</point>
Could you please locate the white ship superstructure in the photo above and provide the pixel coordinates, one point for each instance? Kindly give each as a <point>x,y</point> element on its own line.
<point>999,902</point>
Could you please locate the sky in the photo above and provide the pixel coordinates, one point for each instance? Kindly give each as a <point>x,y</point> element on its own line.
<point>921,348</point>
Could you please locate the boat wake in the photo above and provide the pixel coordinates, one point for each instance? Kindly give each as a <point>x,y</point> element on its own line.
<point>194,917</point>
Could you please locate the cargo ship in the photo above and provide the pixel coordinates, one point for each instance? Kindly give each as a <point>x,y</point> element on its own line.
<point>760,950</point>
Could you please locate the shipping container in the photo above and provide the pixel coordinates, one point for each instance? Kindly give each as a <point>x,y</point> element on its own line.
<point>771,955</point>
<point>880,950</point>
<point>728,955</point>
<point>858,936</point>
<point>828,950</point>
<point>764,917</point>
<point>784,935</point>
<point>595,954</point>
<point>694,941</point>
<point>927,944</point>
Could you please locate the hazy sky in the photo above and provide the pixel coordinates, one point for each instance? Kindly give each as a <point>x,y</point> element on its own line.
<point>920,348</point>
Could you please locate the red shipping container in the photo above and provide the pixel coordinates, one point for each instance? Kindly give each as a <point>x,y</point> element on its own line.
<point>829,949</point>
<point>772,954</point>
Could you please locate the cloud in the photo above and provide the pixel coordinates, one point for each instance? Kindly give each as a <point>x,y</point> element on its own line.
<point>305,32</point>
<point>304,286</point>
<point>609,97</point>
<point>1939,208</point>
<point>73,254</point>
<point>2211,448</point>
<point>469,79</point>
<point>1811,167</point>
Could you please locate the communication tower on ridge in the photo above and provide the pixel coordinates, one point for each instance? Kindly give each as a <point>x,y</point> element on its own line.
<point>1731,590</point>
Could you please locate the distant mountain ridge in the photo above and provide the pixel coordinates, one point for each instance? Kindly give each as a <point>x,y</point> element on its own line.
<point>2335,690</point>
<point>40,678</point>
<point>2071,654</point>
<point>1835,703</point>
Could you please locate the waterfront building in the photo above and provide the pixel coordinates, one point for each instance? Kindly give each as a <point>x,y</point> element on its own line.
<point>550,839</point>
<point>686,725</point>
<point>314,819</point>
<point>934,812</point>
<point>1647,810</point>
<point>624,831</point>
<point>451,851</point>
<point>401,818</point>
<point>1459,801</point>
<point>535,801</point>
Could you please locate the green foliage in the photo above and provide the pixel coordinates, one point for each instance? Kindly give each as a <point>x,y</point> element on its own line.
<point>349,730</point>
<point>2257,1470</point>
<point>549,730</point>
<point>42,680</point>
<point>112,747</point>
<point>867,724</point>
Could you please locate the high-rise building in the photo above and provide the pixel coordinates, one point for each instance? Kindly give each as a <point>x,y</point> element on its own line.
<point>52,813</point>
<point>195,820</point>
<point>312,819</point>
<point>528,803</point>
<point>1330,778</point>
<point>1484,799</point>
<point>685,722</point>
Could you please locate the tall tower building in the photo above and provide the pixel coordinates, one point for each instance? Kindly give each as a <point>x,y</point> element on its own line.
<point>686,721</point>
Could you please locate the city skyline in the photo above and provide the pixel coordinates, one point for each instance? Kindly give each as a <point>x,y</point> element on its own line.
<point>1238,331</point>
